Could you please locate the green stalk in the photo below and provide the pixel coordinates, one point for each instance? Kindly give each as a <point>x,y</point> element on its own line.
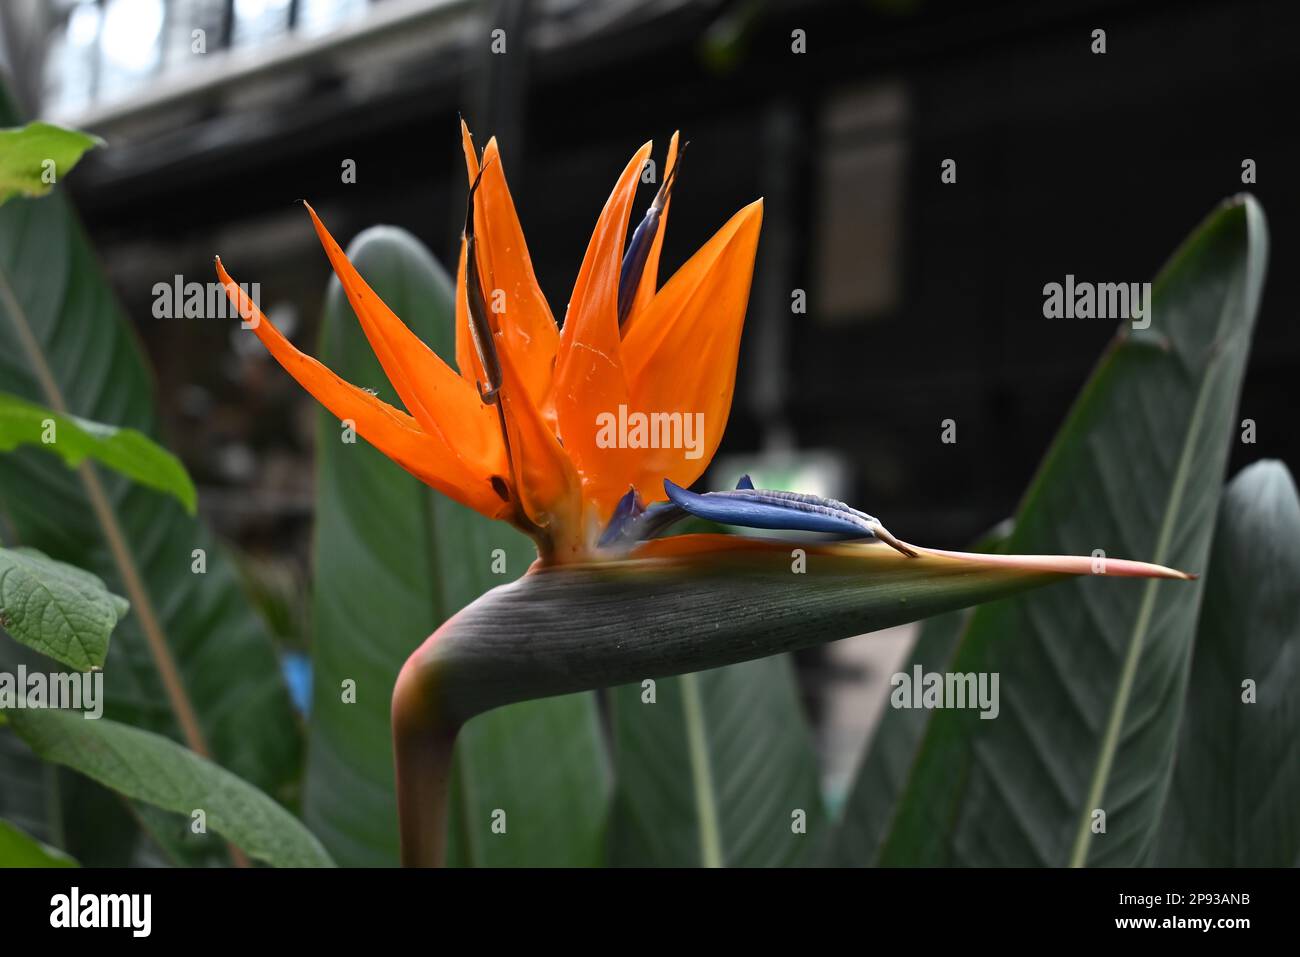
<point>423,745</point>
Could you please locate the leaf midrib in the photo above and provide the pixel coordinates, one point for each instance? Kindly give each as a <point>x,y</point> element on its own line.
<point>1141,626</point>
<point>697,747</point>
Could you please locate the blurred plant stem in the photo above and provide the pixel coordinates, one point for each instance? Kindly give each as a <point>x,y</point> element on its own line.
<point>423,742</point>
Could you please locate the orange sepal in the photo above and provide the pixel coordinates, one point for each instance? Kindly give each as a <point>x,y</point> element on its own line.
<point>589,377</point>
<point>471,369</point>
<point>467,361</point>
<point>681,357</point>
<point>504,264</point>
<point>442,402</point>
<point>514,299</point>
<point>545,480</point>
<point>393,432</point>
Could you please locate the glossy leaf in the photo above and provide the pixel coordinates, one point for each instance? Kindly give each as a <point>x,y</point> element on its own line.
<point>1093,673</point>
<point>19,849</point>
<point>192,660</point>
<point>714,769</point>
<point>57,609</point>
<point>886,764</point>
<point>882,776</point>
<point>393,559</point>
<point>148,767</point>
<point>125,451</point>
<point>537,769</point>
<point>1235,796</point>
<point>36,156</point>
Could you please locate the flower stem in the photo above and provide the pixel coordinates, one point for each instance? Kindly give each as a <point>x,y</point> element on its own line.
<point>423,744</point>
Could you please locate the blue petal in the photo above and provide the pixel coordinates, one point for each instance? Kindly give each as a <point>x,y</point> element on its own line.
<point>745,483</point>
<point>634,260</point>
<point>638,250</point>
<point>755,508</point>
<point>632,522</point>
<point>628,507</point>
<point>626,512</point>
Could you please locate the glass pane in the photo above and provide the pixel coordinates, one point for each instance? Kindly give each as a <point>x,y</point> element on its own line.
<point>321,16</point>
<point>185,49</point>
<point>130,45</point>
<point>70,62</point>
<point>260,21</point>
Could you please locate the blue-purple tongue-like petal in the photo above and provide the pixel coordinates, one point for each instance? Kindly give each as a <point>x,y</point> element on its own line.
<point>755,508</point>
<point>634,260</point>
<point>796,511</point>
<point>638,249</point>
<point>632,522</point>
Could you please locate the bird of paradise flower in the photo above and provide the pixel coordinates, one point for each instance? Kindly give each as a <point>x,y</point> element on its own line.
<point>512,433</point>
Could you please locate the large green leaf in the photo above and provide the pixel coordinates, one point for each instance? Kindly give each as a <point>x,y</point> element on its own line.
<point>1235,796</point>
<point>148,767</point>
<point>393,560</point>
<point>882,776</point>
<point>30,795</point>
<point>19,849</point>
<point>192,660</point>
<point>714,769</point>
<point>537,771</point>
<point>1093,673</point>
<point>74,440</point>
<point>36,156</point>
<point>58,609</point>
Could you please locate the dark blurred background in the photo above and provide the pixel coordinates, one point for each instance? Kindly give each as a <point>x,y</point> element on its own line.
<point>924,298</point>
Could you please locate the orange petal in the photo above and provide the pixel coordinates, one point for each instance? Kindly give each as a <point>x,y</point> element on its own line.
<point>589,378</point>
<point>681,356</point>
<point>466,358</point>
<point>649,282</point>
<point>545,480</point>
<point>519,310</point>
<point>467,361</point>
<point>390,430</point>
<point>442,402</point>
<point>467,146</point>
